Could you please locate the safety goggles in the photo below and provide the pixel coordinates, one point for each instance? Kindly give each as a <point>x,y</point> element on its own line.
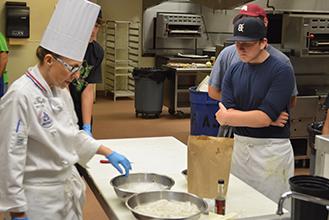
<point>68,67</point>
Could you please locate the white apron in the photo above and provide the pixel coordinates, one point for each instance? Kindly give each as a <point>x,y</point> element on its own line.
<point>45,200</point>
<point>56,201</point>
<point>263,163</point>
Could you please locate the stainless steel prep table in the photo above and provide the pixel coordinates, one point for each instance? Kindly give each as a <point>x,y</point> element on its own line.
<point>168,156</point>
<point>176,88</point>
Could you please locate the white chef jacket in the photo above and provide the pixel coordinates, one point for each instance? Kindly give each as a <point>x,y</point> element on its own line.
<point>39,144</point>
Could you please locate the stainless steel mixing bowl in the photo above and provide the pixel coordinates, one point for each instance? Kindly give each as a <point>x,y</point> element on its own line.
<point>123,194</point>
<point>147,197</point>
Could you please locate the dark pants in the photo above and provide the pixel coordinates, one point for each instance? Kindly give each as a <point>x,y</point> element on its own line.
<point>82,171</point>
<point>1,86</point>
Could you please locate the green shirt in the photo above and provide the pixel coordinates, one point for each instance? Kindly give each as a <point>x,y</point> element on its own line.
<point>4,48</point>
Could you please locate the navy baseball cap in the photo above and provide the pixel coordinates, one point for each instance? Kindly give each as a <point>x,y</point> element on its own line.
<point>249,29</point>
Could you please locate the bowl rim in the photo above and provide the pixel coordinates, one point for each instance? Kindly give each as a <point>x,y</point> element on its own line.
<point>167,191</point>
<point>167,187</point>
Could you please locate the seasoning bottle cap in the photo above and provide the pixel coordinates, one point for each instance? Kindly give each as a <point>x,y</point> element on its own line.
<point>220,181</point>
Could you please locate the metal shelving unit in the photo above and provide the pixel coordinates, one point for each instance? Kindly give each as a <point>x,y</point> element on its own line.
<point>122,43</point>
<point>134,50</point>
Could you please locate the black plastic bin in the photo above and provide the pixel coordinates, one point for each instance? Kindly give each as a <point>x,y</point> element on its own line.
<point>313,129</point>
<point>310,185</point>
<point>149,91</point>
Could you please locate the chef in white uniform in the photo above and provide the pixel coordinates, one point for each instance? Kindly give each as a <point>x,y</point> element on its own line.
<point>40,141</point>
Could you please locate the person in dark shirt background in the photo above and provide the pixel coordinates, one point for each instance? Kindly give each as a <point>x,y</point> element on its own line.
<point>3,63</point>
<point>82,89</point>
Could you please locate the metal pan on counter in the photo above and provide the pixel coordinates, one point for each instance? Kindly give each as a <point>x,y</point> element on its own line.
<point>125,186</point>
<point>167,205</point>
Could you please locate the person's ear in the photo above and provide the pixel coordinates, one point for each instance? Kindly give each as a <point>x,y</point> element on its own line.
<point>48,59</point>
<point>263,43</point>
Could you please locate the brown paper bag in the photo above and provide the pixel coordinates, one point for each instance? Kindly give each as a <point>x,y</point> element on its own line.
<point>208,160</point>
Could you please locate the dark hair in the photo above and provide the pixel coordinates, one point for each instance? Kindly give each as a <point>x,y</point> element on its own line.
<point>99,18</point>
<point>42,52</point>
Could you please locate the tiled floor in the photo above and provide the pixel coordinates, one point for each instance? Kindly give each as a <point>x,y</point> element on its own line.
<point>92,209</point>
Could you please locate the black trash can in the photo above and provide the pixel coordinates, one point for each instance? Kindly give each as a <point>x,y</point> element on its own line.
<point>313,129</point>
<point>149,91</point>
<point>310,185</point>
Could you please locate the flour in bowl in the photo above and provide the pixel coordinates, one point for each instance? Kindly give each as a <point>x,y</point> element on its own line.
<point>168,209</point>
<point>138,187</point>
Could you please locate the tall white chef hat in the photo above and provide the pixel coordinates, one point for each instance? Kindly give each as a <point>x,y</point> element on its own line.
<point>70,27</point>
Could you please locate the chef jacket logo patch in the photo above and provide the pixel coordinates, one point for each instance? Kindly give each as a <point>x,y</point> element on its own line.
<point>44,120</point>
<point>39,102</point>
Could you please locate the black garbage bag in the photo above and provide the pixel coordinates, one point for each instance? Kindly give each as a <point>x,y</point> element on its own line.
<point>149,84</point>
<point>156,74</point>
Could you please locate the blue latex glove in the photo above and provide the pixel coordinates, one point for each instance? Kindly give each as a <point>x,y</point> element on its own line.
<point>17,218</point>
<point>117,159</point>
<point>87,129</point>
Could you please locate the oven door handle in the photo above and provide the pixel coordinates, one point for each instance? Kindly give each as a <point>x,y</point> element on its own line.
<point>322,43</point>
<point>184,32</point>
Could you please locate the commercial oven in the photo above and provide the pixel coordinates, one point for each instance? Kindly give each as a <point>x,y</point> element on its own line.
<point>176,47</point>
<point>178,25</point>
<point>306,35</point>
<point>305,38</point>
<point>177,33</point>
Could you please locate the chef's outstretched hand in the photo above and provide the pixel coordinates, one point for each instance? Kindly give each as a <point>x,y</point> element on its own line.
<point>117,159</point>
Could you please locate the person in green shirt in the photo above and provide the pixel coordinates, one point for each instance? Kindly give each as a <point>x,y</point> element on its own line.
<point>3,63</point>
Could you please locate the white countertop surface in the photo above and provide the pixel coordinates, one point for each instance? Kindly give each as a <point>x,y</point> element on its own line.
<point>168,156</point>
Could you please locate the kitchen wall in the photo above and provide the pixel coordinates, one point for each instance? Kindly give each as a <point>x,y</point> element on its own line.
<point>22,56</point>
<point>298,5</point>
<point>122,10</point>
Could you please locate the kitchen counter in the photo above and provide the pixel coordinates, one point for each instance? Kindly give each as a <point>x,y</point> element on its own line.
<point>168,156</point>
<point>189,70</point>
